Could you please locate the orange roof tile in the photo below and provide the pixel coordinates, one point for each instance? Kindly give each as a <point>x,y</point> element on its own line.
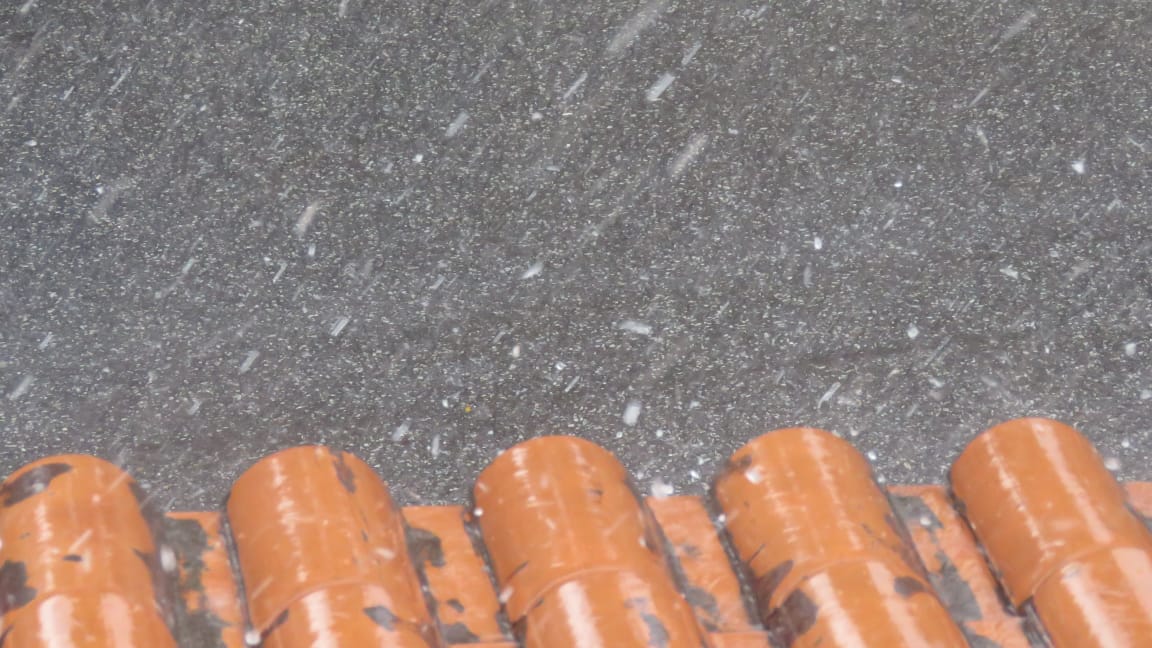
<point>1034,544</point>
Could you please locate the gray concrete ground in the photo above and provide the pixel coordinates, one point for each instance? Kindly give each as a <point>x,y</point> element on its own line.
<point>424,231</point>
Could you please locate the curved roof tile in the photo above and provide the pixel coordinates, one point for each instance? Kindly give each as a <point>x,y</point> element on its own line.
<point>797,546</point>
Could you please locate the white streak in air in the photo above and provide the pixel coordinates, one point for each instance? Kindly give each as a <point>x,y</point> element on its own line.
<point>979,96</point>
<point>120,79</point>
<point>435,446</point>
<point>636,24</point>
<point>575,86</point>
<point>457,124</point>
<point>632,413</point>
<point>338,327</point>
<point>688,154</point>
<point>45,342</point>
<point>342,9</point>
<point>660,86</point>
<point>400,432</point>
<point>194,407</point>
<point>81,540</point>
<point>21,388</point>
<point>1016,28</point>
<point>632,326</point>
<point>571,384</point>
<point>280,271</point>
<point>828,394</point>
<point>691,53</point>
<point>249,360</point>
<point>26,7</point>
<point>1130,349</point>
<point>306,218</point>
<point>1079,166</point>
<point>817,243</point>
<point>533,270</point>
<point>938,352</point>
<point>913,331</point>
<point>1010,272</point>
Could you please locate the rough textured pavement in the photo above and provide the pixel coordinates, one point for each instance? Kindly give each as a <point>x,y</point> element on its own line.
<point>423,231</point>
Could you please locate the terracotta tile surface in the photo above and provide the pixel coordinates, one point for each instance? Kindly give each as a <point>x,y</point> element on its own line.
<point>1032,544</point>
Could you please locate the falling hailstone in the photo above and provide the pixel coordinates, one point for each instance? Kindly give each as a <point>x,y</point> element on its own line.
<point>306,218</point>
<point>167,559</point>
<point>505,594</point>
<point>632,413</point>
<point>913,332</point>
<point>661,488</point>
<point>632,326</point>
<point>249,360</point>
<point>532,270</point>
<point>660,86</point>
<point>457,125</point>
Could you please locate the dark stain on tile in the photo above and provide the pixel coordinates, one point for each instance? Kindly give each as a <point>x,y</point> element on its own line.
<point>31,482</point>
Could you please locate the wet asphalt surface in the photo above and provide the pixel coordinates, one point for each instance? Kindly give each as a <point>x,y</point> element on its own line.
<point>425,231</point>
